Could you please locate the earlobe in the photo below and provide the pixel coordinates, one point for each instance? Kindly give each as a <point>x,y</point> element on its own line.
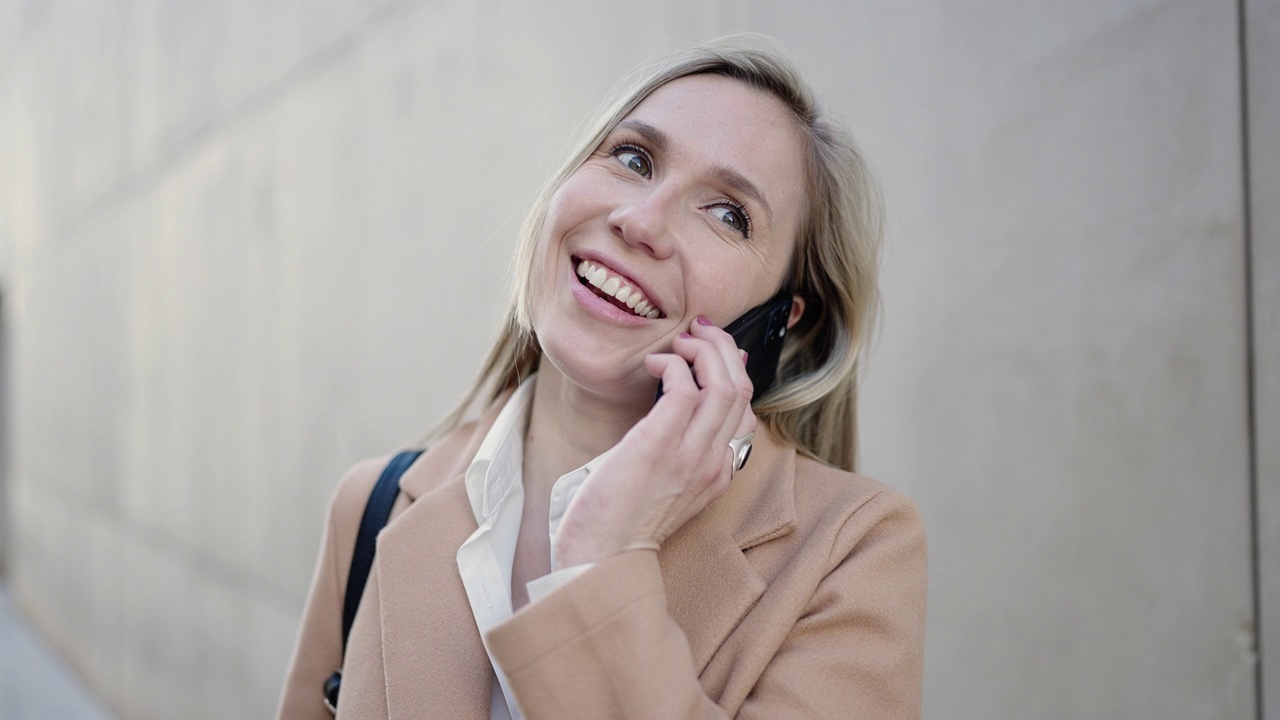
<point>797,311</point>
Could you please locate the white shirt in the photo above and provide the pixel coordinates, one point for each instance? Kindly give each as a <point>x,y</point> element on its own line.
<point>495,486</point>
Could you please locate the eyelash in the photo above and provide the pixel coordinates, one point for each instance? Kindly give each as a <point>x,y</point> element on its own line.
<point>613,152</point>
<point>746,217</point>
<point>737,206</point>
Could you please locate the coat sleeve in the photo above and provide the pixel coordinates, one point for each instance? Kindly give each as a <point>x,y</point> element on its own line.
<point>605,646</point>
<point>318,651</point>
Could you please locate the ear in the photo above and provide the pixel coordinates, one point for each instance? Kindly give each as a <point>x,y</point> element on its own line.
<point>797,311</point>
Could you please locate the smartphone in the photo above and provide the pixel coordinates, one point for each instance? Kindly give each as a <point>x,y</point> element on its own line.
<point>760,331</point>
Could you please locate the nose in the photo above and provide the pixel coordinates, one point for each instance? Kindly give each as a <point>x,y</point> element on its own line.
<point>644,222</point>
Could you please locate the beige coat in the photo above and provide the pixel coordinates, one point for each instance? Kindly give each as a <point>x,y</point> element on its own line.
<point>798,594</point>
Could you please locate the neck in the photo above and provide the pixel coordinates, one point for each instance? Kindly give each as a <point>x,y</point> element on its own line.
<point>569,425</point>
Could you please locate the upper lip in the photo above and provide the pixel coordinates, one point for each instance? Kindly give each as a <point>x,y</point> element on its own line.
<point>622,269</point>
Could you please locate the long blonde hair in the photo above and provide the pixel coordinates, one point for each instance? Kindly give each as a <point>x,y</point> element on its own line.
<point>813,404</point>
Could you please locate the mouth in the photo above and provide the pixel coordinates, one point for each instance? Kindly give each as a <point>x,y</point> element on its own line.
<point>615,289</point>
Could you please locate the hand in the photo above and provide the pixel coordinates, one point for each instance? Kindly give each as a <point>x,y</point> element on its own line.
<point>672,463</point>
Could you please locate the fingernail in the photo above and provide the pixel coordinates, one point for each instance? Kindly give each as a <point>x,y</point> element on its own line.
<point>703,321</point>
<point>685,335</point>
<point>744,357</point>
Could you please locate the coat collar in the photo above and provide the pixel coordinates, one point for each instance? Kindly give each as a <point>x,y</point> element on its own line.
<point>431,647</point>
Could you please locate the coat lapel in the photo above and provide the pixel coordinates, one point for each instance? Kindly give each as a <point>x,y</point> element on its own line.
<point>432,651</point>
<point>710,584</point>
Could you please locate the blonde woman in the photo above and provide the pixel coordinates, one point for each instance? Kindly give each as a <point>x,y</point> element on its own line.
<point>582,551</point>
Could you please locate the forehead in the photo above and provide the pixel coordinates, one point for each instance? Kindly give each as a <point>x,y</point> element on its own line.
<point>714,120</point>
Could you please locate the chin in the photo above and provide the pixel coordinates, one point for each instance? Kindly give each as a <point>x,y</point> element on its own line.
<point>607,372</point>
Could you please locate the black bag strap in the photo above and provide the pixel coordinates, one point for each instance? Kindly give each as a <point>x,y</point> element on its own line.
<point>376,513</point>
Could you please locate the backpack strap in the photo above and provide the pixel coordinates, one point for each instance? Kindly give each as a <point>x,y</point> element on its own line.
<point>376,513</point>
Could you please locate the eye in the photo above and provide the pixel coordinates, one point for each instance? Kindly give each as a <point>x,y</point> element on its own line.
<point>735,216</point>
<point>636,159</point>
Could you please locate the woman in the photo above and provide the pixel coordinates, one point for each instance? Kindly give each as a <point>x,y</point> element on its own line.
<point>652,573</point>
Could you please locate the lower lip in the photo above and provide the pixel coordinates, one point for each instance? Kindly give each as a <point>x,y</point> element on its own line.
<point>600,307</point>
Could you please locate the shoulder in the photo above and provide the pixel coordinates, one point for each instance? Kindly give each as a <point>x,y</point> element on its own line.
<point>449,455</point>
<point>446,457</point>
<point>852,510</point>
<point>352,492</point>
<point>867,542</point>
<point>346,509</point>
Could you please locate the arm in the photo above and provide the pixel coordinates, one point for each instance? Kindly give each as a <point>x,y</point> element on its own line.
<point>605,646</point>
<point>318,651</point>
<point>602,646</point>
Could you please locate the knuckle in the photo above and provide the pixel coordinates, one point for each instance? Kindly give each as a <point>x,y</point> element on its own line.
<point>703,470</point>
<point>684,392</point>
<point>711,474</point>
<point>719,483</point>
<point>724,343</point>
<point>727,394</point>
<point>644,433</point>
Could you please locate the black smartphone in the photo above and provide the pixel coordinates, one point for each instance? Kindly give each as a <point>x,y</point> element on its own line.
<point>760,331</point>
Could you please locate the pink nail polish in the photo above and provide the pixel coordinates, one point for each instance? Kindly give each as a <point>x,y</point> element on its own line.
<point>703,321</point>
<point>744,357</point>
<point>685,335</point>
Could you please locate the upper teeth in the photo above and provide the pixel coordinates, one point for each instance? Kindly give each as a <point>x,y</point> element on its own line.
<point>618,288</point>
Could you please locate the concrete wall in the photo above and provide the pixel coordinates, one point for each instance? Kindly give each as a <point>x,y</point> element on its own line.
<point>244,244</point>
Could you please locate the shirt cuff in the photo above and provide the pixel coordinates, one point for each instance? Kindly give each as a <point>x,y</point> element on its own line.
<point>544,585</point>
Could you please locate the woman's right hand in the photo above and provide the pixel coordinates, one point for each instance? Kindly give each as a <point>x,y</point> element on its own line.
<point>672,463</point>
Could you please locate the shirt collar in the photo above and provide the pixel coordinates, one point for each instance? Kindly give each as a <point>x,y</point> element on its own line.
<point>566,488</point>
<point>498,465</point>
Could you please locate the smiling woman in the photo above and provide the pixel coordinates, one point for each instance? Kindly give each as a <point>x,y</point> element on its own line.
<point>582,551</point>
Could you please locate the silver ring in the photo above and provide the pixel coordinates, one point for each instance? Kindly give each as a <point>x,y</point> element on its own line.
<point>741,447</point>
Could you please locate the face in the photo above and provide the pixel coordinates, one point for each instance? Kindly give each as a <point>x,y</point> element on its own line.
<point>689,207</point>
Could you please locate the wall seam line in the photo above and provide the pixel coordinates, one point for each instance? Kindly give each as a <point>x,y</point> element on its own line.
<point>1250,349</point>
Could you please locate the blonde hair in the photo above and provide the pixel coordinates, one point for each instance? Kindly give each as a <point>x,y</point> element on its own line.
<point>813,404</point>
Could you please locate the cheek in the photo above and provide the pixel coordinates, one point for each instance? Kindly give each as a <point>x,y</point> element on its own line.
<point>560,220</point>
<point>724,284</point>
<point>718,292</point>
<point>583,196</point>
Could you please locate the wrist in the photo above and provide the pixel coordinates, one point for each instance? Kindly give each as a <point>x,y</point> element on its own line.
<point>570,551</point>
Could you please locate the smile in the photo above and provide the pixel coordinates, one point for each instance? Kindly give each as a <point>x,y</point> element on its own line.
<point>616,289</point>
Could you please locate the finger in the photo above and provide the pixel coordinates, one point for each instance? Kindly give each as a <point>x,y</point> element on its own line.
<point>735,362</point>
<point>679,391</point>
<point>735,359</point>
<point>747,423</point>
<point>720,399</point>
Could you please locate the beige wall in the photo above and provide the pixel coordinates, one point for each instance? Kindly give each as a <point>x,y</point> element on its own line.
<point>245,244</point>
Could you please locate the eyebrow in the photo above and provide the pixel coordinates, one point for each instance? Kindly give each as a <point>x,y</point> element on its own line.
<point>739,182</point>
<point>734,179</point>
<point>651,134</point>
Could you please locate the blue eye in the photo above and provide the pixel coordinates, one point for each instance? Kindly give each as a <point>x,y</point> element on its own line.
<point>735,216</point>
<point>634,158</point>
